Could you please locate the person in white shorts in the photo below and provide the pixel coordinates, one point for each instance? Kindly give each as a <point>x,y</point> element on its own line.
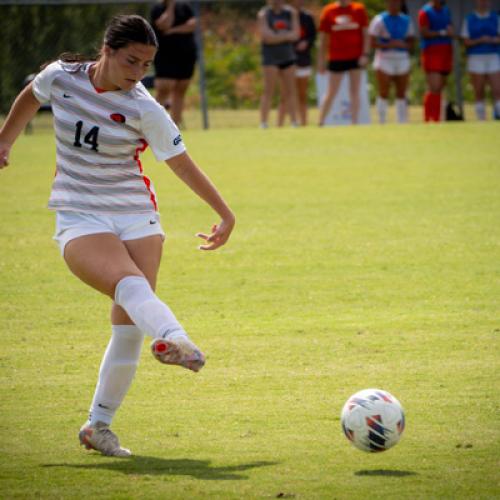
<point>108,226</point>
<point>481,36</point>
<point>392,35</point>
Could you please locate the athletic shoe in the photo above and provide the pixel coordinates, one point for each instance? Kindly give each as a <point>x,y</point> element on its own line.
<point>100,437</point>
<point>178,351</point>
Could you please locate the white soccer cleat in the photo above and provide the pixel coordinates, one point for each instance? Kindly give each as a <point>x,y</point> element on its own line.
<point>178,351</point>
<point>100,437</point>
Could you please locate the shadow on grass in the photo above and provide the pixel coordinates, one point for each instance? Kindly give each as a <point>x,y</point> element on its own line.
<point>385,472</point>
<point>199,469</point>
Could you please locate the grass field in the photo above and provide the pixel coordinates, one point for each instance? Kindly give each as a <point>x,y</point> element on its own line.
<point>363,257</point>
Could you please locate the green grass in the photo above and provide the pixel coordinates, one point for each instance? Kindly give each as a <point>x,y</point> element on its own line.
<point>363,257</point>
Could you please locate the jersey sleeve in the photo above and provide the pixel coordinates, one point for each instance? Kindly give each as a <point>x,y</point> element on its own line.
<point>411,29</point>
<point>324,21</point>
<point>423,19</point>
<point>363,17</point>
<point>464,33</point>
<point>42,84</point>
<point>375,25</point>
<point>160,132</point>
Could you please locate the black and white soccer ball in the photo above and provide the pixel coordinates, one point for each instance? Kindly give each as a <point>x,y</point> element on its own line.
<point>373,420</point>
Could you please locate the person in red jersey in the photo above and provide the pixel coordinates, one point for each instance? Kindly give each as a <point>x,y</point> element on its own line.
<point>344,48</point>
<point>436,32</point>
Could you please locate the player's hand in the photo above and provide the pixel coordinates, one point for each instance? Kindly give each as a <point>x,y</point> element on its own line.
<point>301,46</point>
<point>321,67</point>
<point>219,235</point>
<point>4,154</point>
<point>363,61</point>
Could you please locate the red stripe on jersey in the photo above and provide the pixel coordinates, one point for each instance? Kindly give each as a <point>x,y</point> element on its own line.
<point>140,149</point>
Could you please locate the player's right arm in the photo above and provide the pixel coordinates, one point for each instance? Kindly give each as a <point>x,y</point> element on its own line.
<point>268,36</point>
<point>21,113</point>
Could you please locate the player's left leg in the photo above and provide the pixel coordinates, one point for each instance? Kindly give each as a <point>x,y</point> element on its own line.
<point>354,85</point>
<point>401,82</point>
<point>384,82</point>
<point>178,95</point>
<point>287,76</point>
<point>302,85</point>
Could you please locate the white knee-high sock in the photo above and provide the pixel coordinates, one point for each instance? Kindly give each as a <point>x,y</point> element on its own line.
<point>117,371</point>
<point>146,310</point>
<point>402,110</point>
<point>480,107</point>
<point>382,109</point>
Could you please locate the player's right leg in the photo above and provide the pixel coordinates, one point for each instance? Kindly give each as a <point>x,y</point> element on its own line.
<point>334,81</point>
<point>103,262</point>
<point>163,90</point>
<point>270,74</point>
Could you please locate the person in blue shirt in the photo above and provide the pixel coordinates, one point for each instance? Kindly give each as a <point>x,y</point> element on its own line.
<point>392,35</point>
<point>481,36</point>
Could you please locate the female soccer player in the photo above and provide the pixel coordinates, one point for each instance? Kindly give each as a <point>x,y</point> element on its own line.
<point>392,35</point>
<point>481,35</point>
<point>345,42</point>
<point>107,222</point>
<point>174,25</point>
<point>278,28</point>
<point>436,32</point>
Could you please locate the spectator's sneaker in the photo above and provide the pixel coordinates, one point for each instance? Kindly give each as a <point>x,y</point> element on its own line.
<point>178,351</point>
<point>100,437</point>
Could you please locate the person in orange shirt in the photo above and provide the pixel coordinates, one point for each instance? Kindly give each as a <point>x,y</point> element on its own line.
<point>344,45</point>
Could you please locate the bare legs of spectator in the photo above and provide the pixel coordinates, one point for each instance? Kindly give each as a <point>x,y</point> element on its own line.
<point>479,84</point>
<point>436,83</point>
<point>270,78</point>
<point>175,90</point>
<point>401,83</point>
<point>332,91</point>
<point>302,86</point>
<point>288,96</point>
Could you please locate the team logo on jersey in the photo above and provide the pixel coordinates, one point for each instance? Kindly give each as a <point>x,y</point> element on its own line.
<point>117,117</point>
<point>177,140</point>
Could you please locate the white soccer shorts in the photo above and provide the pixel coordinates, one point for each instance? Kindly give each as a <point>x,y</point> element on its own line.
<point>483,64</point>
<point>71,225</point>
<point>394,66</point>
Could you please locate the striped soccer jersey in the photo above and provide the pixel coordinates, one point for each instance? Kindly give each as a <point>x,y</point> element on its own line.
<point>99,137</point>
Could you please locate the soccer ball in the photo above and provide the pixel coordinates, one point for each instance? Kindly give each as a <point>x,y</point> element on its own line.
<point>373,420</point>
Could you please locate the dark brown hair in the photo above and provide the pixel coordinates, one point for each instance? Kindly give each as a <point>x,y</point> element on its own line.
<point>121,31</point>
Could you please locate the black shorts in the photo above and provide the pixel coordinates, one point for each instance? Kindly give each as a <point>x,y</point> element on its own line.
<point>341,66</point>
<point>175,68</point>
<point>284,65</point>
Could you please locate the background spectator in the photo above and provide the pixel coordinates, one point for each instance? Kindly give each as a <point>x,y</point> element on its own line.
<point>174,25</point>
<point>303,49</point>
<point>481,35</point>
<point>436,33</point>
<point>345,44</point>
<point>278,28</point>
<point>392,35</point>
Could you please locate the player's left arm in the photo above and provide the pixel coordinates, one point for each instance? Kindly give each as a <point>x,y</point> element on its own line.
<point>21,113</point>
<point>188,27</point>
<point>363,21</point>
<point>187,170</point>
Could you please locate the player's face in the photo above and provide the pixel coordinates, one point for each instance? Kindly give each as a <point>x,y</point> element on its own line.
<point>483,4</point>
<point>129,64</point>
<point>394,5</point>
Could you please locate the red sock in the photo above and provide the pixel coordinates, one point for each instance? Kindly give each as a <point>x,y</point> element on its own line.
<point>427,106</point>
<point>436,107</point>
